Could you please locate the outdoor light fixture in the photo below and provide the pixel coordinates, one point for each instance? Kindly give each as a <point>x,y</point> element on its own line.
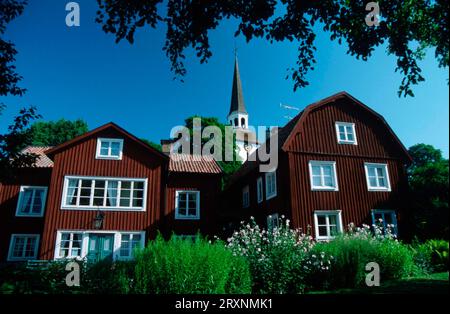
<point>98,220</point>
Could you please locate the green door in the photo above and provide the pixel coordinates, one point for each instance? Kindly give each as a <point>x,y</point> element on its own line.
<point>100,247</point>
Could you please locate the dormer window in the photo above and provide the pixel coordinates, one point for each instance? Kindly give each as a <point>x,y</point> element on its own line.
<point>345,133</point>
<point>109,148</point>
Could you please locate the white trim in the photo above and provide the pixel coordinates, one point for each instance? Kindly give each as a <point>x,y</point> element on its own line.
<point>327,213</point>
<point>259,190</point>
<point>117,234</point>
<point>20,199</point>
<point>335,186</point>
<point>393,214</point>
<point>110,140</point>
<point>386,173</point>
<point>346,124</point>
<point>187,217</point>
<point>272,221</point>
<point>274,193</point>
<point>246,197</point>
<point>11,249</point>
<point>103,208</point>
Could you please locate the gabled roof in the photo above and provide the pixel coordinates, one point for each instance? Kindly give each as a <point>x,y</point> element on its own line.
<point>51,152</point>
<point>42,160</point>
<point>193,164</point>
<point>286,133</point>
<point>237,96</point>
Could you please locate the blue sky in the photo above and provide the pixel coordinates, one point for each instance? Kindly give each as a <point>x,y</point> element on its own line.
<point>81,72</point>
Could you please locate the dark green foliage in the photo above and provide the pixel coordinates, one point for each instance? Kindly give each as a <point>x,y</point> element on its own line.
<point>185,266</point>
<point>53,133</point>
<point>152,144</point>
<point>429,188</point>
<point>407,28</point>
<point>432,256</point>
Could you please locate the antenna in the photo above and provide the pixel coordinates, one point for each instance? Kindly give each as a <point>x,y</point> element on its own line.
<point>287,107</point>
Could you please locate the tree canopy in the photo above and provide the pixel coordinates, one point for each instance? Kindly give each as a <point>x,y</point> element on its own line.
<point>407,28</point>
<point>53,133</point>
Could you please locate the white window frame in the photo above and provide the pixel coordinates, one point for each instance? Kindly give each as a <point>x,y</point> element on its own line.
<point>271,194</point>
<point>259,190</point>
<point>103,208</point>
<point>384,212</point>
<point>20,200</point>
<point>187,217</point>
<point>273,221</point>
<point>335,186</point>
<point>345,125</point>
<point>327,213</point>
<point>130,248</point>
<point>246,196</point>
<point>117,236</point>
<point>69,256</point>
<point>385,168</point>
<point>98,154</point>
<point>11,249</point>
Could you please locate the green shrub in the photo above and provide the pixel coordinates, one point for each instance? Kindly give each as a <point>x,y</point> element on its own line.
<point>432,256</point>
<point>184,266</point>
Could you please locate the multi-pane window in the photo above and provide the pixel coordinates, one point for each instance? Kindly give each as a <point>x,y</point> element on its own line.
<point>245,197</point>
<point>271,185</point>
<point>81,192</point>
<point>273,221</point>
<point>23,247</point>
<point>385,217</point>
<point>323,175</point>
<point>259,190</point>
<point>377,177</point>
<point>70,245</point>
<point>31,201</point>
<point>346,133</point>
<point>327,224</point>
<point>187,205</point>
<point>128,243</point>
<point>109,148</point>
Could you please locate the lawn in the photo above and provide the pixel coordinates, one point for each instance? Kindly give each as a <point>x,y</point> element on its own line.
<point>437,283</point>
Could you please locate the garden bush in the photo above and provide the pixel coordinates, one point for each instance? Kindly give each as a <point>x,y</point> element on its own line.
<point>185,266</point>
<point>432,256</point>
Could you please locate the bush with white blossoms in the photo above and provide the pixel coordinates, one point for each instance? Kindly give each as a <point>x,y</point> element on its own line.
<point>280,259</point>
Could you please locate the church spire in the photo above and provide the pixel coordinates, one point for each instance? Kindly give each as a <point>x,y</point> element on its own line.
<point>237,96</point>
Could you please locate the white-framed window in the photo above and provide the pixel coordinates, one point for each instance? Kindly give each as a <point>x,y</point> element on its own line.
<point>31,201</point>
<point>187,205</point>
<point>129,242</point>
<point>323,175</point>
<point>246,197</point>
<point>346,133</point>
<point>94,193</point>
<point>384,217</point>
<point>377,176</point>
<point>109,148</point>
<point>327,223</point>
<point>271,185</point>
<point>259,190</point>
<point>273,221</point>
<point>71,244</point>
<point>23,247</point>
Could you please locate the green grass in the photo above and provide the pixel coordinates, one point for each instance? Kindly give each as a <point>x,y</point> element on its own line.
<point>437,283</point>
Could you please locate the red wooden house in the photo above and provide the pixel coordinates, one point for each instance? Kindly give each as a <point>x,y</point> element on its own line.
<point>339,162</point>
<point>102,194</point>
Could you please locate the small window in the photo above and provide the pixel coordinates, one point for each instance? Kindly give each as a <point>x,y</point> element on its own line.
<point>377,177</point>
<point>187,205</point>
<point>323,175</point>
<point>271,185</point>
<point>70,245</point>
<point>385,217</point>
<point>259,190</point>
<point>243,122</point>
<point>273,222</point>
<point>245,197</point>
<point>236,122</point>
<point>327,224</point>
<point>23,247</point>
<point>129,243</point>
<point>31,201</point>
<point>346,133</point>
<point>109,148</point>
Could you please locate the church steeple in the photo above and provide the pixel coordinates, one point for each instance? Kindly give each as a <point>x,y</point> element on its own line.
<point>237,96</point>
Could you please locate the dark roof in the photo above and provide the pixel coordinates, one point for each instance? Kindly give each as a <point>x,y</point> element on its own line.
<point>286,133</point>
<point>193,164</point>
<point>237,96</point>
